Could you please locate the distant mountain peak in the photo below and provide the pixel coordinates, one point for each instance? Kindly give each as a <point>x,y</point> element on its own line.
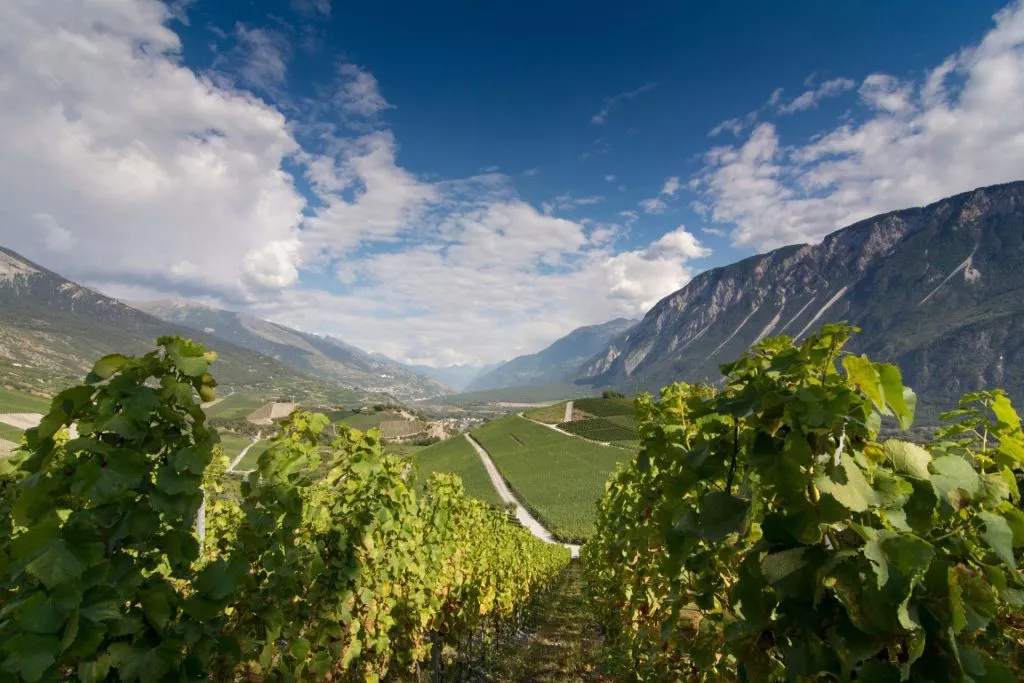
<point>557,361</point>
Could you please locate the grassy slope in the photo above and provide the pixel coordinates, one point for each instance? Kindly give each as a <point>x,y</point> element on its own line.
<point>233,444</point>
<point>550,415</point>
<point>21,402</point>
<point>457,456</point>
<point>559,477</point>
<point>236,405</point>
<point>249,461</point>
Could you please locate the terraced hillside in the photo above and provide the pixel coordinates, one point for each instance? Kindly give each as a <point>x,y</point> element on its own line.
<point>559,477</point>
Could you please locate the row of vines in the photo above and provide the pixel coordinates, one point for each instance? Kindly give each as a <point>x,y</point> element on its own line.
<point>768,532</point>
<point>327,566</point>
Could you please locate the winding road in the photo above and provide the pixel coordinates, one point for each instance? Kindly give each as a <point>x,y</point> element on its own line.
<point>528,521</point>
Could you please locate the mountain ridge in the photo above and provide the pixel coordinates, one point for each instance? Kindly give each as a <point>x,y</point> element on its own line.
<point>52,329</point>
<point>923,284</point>
<point>556,361</point>
<point>319,355</point>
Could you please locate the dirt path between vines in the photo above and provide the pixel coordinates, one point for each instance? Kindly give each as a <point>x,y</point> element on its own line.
<point>528,521</point>
<point>564,643</point>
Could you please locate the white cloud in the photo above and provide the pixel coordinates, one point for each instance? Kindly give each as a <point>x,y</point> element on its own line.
<point>653,205</point>
<point>609,178</point>
<point>159,175</point>
<point>259,58</point>
<point>274,266</point>
<point>530,172</point>
<point>612,102</point>
<point>312,8</point>
<point>55,237</point>
<point>671,187</point>
<point>359,93</point>
<point>883,92</point>
<point>120,166</point>
<point>956,129</point>
<point>810,98</point>
<point>656,205</point>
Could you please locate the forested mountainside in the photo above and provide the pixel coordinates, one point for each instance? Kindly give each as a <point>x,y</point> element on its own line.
<point>555,362</point>
<point>321,356</point>
<point>938,290</point>
<point>52,330</point>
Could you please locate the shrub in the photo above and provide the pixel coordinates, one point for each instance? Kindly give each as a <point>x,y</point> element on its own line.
<point>765,533</point>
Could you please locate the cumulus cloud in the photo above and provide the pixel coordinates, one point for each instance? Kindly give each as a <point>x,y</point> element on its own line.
<point>614,101</point>
<point>123,168</point>
<point>156,173</point>
<point>957,128</point>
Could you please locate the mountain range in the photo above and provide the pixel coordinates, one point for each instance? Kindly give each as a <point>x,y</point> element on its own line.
<point>317,355</point>
<point>52,330</point>
<point>938,290</point>
<point>554,363</point>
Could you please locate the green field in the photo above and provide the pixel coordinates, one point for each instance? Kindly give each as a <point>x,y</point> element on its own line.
<point>605,407</point>
<point>233,443</point>
<point>365,421</point>
<point>21,402</point>
<point>457,456</point>
<point>599,429</point>
<point>559,477</point>
<point>236,405</point>
<point>550,415</point>
<point>252,457</point>
<point>10,434</point>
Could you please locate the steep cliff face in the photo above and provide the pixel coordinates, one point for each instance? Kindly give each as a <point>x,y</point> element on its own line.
<point>938,290</point>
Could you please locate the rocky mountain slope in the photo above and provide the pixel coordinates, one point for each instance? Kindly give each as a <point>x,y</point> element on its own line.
<point>556,361</point>
<point>938,290</point>
<point>52,330</point>
<point>321,356</point>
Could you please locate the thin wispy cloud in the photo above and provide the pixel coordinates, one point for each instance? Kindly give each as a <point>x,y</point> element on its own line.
<point>611,103</point>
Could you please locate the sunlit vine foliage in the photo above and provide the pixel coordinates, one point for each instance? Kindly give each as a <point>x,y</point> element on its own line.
<point>328,565</point>
<point>766,532</point>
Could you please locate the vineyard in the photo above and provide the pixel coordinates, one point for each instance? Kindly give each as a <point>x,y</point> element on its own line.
<point>329,564</point>
<point>456,456</point>
<point>559,477</point>
<point>764,532</point>
<point>767,533</point>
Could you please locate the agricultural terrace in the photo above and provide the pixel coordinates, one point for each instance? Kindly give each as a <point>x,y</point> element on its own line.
<point>22,402</point>
<point>560,478</point>
<point>235,405</point>
<point>252,457</point>
<point>233,444</point>
<point>549,415</point>
<point>457,456</point>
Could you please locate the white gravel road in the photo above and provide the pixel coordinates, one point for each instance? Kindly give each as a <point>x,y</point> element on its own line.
<point>528,521</point>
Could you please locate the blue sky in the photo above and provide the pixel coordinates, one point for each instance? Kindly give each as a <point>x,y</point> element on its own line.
<point>464,182</point>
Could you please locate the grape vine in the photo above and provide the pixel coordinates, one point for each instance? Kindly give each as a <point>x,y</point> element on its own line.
<point>766,532</point>
<point>329,565</point>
